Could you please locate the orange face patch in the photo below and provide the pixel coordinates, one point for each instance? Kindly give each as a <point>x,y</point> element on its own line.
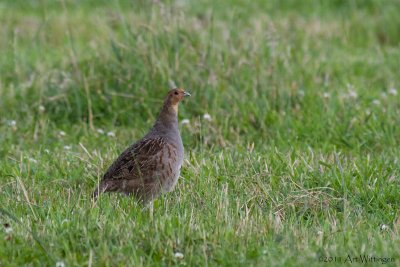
<point>175,96</point>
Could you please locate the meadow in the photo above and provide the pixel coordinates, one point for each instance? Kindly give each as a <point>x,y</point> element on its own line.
<point>291,134</point>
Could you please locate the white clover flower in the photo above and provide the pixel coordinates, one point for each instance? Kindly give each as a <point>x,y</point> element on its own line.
<point>33,160</point>
<point>178,255</point>
<point>207,117</point>
<point>376,102</point>
<point>352,94</point>
<point>392,91</point>
<point>67,147</point>
<point>60,264</point>
<point>319,232</point>
<point>9,230</point>
<point>185,121</point>
<point>111,134</point>
<point>61,133</point>
<point>100,131</point>
<point>326,95</point>
<point>41,108</point>
<point>12,123</point>
<point>384,227</point>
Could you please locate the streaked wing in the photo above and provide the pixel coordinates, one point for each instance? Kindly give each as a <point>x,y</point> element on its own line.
<point>138,161</point>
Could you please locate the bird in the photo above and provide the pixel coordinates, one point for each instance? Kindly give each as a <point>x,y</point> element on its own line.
<point>151,166</point>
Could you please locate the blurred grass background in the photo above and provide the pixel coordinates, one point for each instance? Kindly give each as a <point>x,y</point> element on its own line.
<point>301,153</point>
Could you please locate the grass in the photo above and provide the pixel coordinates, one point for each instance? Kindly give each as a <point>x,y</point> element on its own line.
<point>299,163</point>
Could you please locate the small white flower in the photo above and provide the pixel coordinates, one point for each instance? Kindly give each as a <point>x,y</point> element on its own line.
<point>326,95</point>
<point>100,131</point>
<point>376,102</point>
<point>61,133</point>
<point>207,117</point>
<point>185,121</point>
<point>392,91</point>
<point>60,264</point>
<point>352,94</point>
<point>384,227</point>
<point>33,160</point>
<point>12,123</point>
<point>47,151</point>
<point>111,134</point>
<point>41,108</point>
<point>178,255</point>
<point>67,147</point>
<point>9,230</point>
<point>319,232</point>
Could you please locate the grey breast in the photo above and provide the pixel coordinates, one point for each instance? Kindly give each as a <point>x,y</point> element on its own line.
<point>174,154</point>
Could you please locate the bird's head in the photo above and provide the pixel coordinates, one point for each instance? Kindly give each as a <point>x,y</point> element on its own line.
<point>174,97</point>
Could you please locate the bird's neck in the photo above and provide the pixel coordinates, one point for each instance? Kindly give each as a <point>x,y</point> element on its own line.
<point>167,120</point>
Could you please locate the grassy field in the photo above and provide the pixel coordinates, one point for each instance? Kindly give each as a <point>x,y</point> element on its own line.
<point>298,164</point>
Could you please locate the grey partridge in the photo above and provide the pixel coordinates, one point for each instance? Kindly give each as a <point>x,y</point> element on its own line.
<point>151,166</point>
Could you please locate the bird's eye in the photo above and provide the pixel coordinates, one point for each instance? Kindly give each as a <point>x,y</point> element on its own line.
<point>176,93</point>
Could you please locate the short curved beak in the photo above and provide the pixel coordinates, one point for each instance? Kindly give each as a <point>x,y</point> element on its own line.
<point>186,94</point>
